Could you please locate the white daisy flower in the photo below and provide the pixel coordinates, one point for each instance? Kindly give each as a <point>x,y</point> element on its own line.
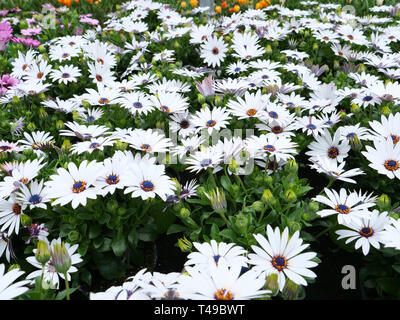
<point>251,106</point>
<point>347,207</point>
<point>34,196</point>
<point>93,144</point>
<point>215,119</point>
<point>65,74</point>
<point>368,231</point>
<point>213,51</point>
<point>231,253</point>
<point>8,289</point>
<point>282,255</point>
<point>10,215</point>
<point>221,283</point>
<point>74,185</point>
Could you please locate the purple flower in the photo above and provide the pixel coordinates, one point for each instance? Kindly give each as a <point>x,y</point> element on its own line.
<point>28,42</point>
<point>49,7</point>
<point>37,232</point>
<point>5,31</point>
<point>206,87</point>
<point>31,31</point>
<point>78,31</point>
<point>3,13</point>
<point>92,22</point>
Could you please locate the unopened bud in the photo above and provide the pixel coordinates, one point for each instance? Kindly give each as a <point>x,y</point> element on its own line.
<point>42,254</point>
<point>271,283</point>
<point>383,201</point>
<point>291,290</point>
<point>267,196</point>
<point>290,196</point>
<point>59,124</point>
<point>184,244</point>
<point>258,206</point>
<point>61,258</point>
<point>386,110</point>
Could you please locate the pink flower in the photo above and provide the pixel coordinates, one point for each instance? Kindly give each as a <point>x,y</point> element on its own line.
<point>7,81</point>
<point>92,22</point>
<point>31,31</point>
<point>5,31</point>
<point>3,13</point>
<point>28,42</point>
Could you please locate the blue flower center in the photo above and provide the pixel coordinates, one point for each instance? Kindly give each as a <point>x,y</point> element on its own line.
<point>311,126</point>
<point>35,199</point>
<point>147,185</point>
<point>79,186</point>
<point>112,179</point>
<point>273,115</point>
<point>205,162</point>
<point>137,105</point>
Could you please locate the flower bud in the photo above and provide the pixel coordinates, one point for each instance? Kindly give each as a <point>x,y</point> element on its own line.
<point>258,206</point>
<point>59,125</point>
<point>292,166</point>
<point>354,108</point>
<point>42,254</point>
<point>294,226</point>
<point>13,266</point>
<point>271,283</point>
<point>290,196</point>
<point>75,115</point>
<point>268,49</point>
<point>112,205</point>
<point>42,96</point>
<point>121,145</point>
<point>313,206</point>
<point>185,213</point>
<point>315,46</point>
<point>242,222</point>
<point>233,165</point>
<point>268,180</point>
<point>25,220</point>
<point>42,113</point>
<point>15,100</point>
<point>31,126</point>
<point>73,236</point>
<point>201,99</point>
<point>60,257</point>
<point>218,101</point>
<point>267,196</point>
<point>386,110</point>
<point>121,211</point>
<point>355,143</point>
<point>184,244</point>
<point>383,201</point>
<point>291,290</point>
<point>66,145</point>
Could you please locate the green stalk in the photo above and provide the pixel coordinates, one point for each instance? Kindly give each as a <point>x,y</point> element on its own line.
<point>66,285</point>
<point>41,282</point>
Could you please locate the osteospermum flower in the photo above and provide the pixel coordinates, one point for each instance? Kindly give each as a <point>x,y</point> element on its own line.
<point>387,128</point>
<point>10,215</point>
<point>50,275</point>
<point>214,119</point>
<point>347,207</point>
<point>34,196</point>
<point>113,176</point>
<point>93,144</point>
<point>65,74</point>
<point>74,185</point>
<point>231,253</point>
<point>204,159</point>
<point>149,140</point>
<point>147,181</point>
<point>282,255</point>
<point>8,289</point>
<point>221,283</point>
<point>326,147</point>
<point>170,102</point>
<point>37,141</point>
<point>368,231</point>
<point>251,106</point>
<point>384,157</point>
<point>213,51</point>
<point>335,170</point>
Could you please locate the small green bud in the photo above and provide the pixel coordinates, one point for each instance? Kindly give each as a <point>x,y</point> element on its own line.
<point>15,100</point>
<point>42,96</point>
<point>185,213</point>
<point>383,201</point>
<point>386,110</point>
<point>86,104</point>
<point>61,258</point>
<point>25,219</point>
<point>292,166</point>
<point>313,206</point>
<point>268,180</point>
<point>42,254</point>
<point>218,101</point>
<point>268,49</point>
<point>315,46</point>
<point>361,68</point>
<point>73,236</point>
<point>42,113</point>
<point>75,115</point>
<point>355,143</point>
<point>121,145</point>
<point>267,196</point>
<point>258,206</point>
<point>290,196</point>
<point>291,290</point>
<point>242,223</point>
<point>42,49</point>
<point>184,244</point>
<point>66,145</point>
<point>13,267</point>
<point>59,125</point>
<point>233,165</point>
<point>294,226</point>
<point>271,283</point>
<point>31,126</point>
<point>201,99</point>
<point>354,108</point>
<point>343,115</point>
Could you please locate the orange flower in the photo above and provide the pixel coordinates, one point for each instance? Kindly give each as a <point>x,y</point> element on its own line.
<point>183,4</point>
<point>224,4</point>
<point>68,2</point>
<point>60,1</point>
<point>218,9</point>
<point>90,1</point>
<point>76,1</point>
<point>194,3</point>
<point>259,5</point>
<point>230,10</point>
<point>236,8</point>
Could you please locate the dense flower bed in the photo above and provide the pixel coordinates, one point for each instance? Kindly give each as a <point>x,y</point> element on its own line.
<point>249,137</point>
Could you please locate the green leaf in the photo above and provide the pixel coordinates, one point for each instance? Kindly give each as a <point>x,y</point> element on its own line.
<point>86,276</point>
<point>62,294</point>
<point>215,232</point>
<point>396,267</point>
<point>176,228</point>
<point>226,183</point>
<point>119,244</point>
<point>94,231</point>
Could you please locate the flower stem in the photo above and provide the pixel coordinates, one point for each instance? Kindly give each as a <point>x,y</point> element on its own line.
<point>41,282</point>
<point>66,285</point>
